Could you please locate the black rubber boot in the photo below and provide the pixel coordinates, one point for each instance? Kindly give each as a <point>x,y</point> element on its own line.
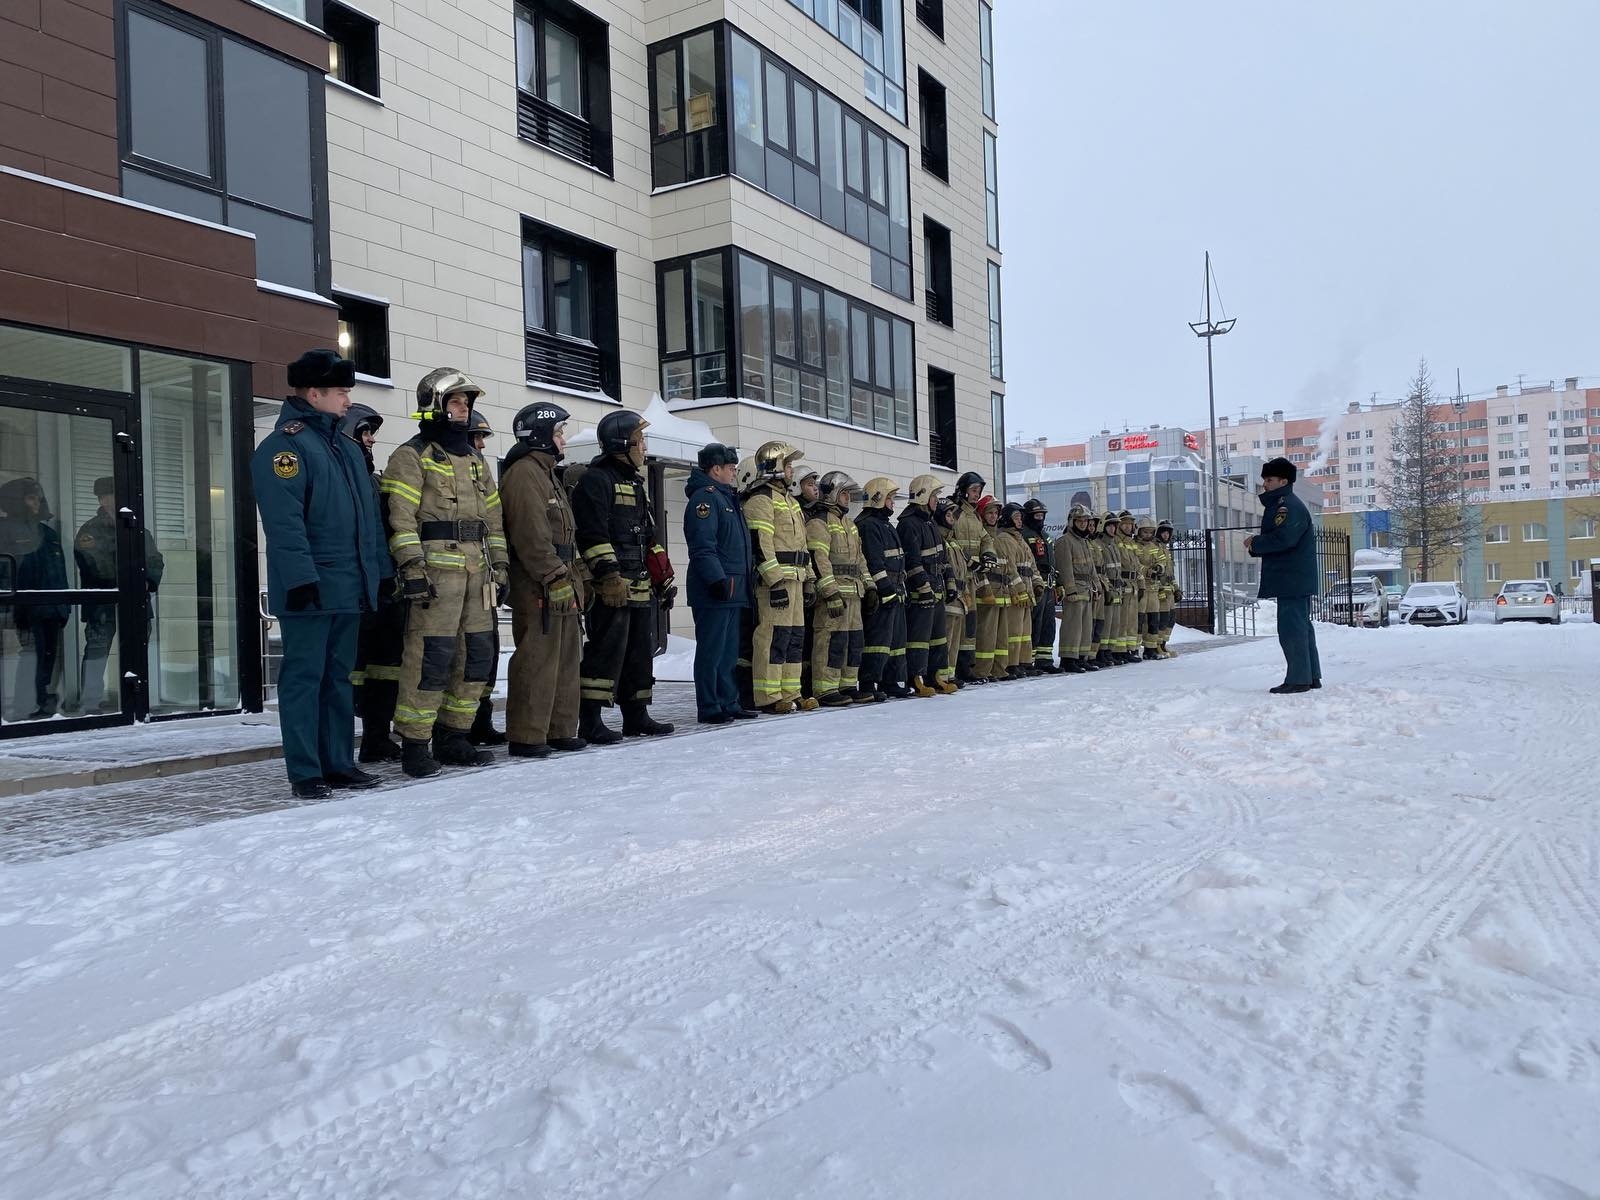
<point>483,732</point>
<point>416,759</point>
<point>376,744</point>
<point>637,722</point>
<point>454,748</point>
<point>591,728</point>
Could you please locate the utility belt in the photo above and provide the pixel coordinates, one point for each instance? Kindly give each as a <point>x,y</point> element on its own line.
<point>453,531</point>
<point>793,558</point>
<point>847,570</point>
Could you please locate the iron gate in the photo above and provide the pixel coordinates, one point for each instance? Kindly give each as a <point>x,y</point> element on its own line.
<point>1214,570</point>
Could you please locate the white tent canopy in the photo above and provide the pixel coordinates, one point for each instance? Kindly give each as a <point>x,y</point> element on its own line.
<point>669,435</point>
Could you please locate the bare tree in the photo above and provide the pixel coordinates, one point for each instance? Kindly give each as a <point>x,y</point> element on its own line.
<point>1428,516</point>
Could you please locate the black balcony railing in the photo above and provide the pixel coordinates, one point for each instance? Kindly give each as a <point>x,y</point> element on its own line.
<point>937,161</point>
<point>938,307</point>
<point>540,121</point>
<point>942,451</point>
<point>563,362</point>
<point>931,14</point>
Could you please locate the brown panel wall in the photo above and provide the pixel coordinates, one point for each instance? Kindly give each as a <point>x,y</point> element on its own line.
<point>58,88</point>
<point>91,265</point>
<point>268,29</point>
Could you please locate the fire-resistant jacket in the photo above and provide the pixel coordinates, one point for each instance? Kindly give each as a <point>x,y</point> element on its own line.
<point>924,550</point>
<point>956,566</point>
<point>1038,543</point>
<point>541,531</point>
<point>443,509</point>
<point>615,527</point>
<point>1075,565</point>
<point>880,547</point>
<point>1018,560</point>
<point>971,536</point>
<point>836,555</point>
<point>777,535</point>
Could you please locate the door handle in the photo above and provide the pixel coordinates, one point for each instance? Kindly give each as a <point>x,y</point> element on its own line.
<point>128,517</point>
<point>125,442</point>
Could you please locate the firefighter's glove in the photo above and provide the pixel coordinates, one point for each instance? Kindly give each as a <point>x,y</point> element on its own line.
<point>613,590</point>
<point>835,606</point>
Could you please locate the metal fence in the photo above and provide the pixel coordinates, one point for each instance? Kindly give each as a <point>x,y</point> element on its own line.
<point>1219,588</point>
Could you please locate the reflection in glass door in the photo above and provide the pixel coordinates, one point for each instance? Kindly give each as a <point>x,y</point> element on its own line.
<point>66,547</point>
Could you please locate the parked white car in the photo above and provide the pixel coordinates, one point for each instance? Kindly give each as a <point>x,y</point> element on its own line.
<point>1433,604</point>
<point>1527,600</point>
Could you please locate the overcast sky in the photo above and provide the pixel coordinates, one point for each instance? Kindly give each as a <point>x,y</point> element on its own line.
<point>1376,180</point>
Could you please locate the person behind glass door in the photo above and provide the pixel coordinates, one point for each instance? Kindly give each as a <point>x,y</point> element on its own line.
<point>40,566</point>
<point>95,552</point>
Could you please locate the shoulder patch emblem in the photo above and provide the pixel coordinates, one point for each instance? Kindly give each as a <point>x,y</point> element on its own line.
<point>702,510</point>
<point>85,541</point>
<point>1283,515</point>
<point>286,465</point>
<point>291,427</point>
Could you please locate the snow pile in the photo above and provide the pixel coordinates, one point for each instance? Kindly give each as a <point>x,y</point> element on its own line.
<point>1146,933</point>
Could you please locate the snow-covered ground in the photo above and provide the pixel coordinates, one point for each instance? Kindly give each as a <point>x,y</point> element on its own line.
<point>1151,934</point>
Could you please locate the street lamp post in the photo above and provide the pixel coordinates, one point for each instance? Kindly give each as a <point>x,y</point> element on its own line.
<point>1210,329</point>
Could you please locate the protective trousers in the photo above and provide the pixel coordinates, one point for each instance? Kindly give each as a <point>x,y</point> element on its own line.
<point>967,638</point>
<point>380,648</point>
<point>618,657</point>
<point>315,712</point>
<point>837,644</point>
<point>1044,629</point>
<point>778,645</point>
<point>919,632</point>
<point>542,680</point>
<point>1019,637</point>
<point>449,655</point>
<point>990,659</point>
<point>883,658</point>
<point>1077,629</point>
<point>743,674</point>
<point>957,621</point>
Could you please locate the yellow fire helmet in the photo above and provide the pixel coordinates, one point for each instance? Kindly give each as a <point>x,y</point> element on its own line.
<point>438,385</point>
<point>1110,518</point>
<point>1079,511</point>
<point>878,492</point>
<point>773,457</point>
<point>925,488</point>
<point>1147,524</point>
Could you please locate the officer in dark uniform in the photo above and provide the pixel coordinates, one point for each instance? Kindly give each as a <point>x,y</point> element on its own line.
<point>616,537</point>
<point>1287,548</point>
<point>1044,612</point>
<point>95,550</point>
<point>325,565</point>
<point>483,732</point>
<point>30,539</point>
<point>380,643</point>
<point>718,539</point>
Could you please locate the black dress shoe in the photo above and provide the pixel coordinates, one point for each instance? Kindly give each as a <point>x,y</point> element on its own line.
<point>1316,685</point>
<point>311,789</point>
<point>744,714</point>
<point>355,779</point>
<point>528,749</point>
<point>571,743</point>
<point>1290,689</point>
<point>715,719</point>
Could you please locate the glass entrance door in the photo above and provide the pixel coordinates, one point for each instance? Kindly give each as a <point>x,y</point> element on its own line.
<point>77,570</point>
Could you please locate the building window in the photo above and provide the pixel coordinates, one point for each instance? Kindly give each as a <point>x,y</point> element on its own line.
<point>803,145</point>
<point>688,141</point>
<point>1503,420</point>
<point>986,54</point>
<point>996,363</point>
<point>931,14</point>
<point>694,327</point>
<point>935,126</point>
<point>564,81</point>
<point>569,311</point>
<point>1535,531</point>
<point>997,430</point>
<point>941,418</point>
<point>216,129</point>
<point>799,346</point>
<point>352,46</point>
<point>1522,418</point>
<point>1583,527</point>
<point>1492,573</point>
<point>364,333</point>
<point>1578,568</point>
<point>991,187</point>
<point>1497,533</point>
<point>1541,569</point>
<point>873,29</point>
<point>939,291</point>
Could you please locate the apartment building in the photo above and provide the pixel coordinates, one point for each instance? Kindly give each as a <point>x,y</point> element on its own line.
<point>781,217</point>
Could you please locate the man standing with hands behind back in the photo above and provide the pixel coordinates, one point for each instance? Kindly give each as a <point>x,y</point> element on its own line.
<point>1287,548</point>
<point>325,561</point>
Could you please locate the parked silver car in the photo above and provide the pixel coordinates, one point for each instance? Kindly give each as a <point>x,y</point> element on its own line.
<point>1527,600</point>
<point>1433,604</point>
<point>1357,602</point>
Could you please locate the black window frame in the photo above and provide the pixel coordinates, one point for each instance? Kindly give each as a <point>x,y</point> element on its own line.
<point>584,138</point>
<point>991,189</point>
<point>786,173</point>
<point>681,156</point>
<point>931,14</point>
<point>986,58</point>
<point>862,391</point>
<point>216,183</point>
<point>552,359</point>
<point>366,321</point>
<point>354,35</point>
<point>996,311</point>
<point>942,449</point>
<point>938,273</point>
<point>698,359</point>
<point>933,122</point>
